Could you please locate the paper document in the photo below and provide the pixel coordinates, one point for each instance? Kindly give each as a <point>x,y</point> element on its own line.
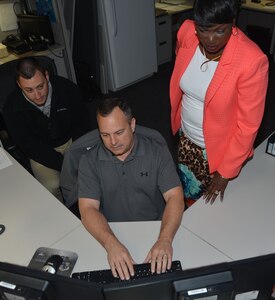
<point>4,160</point>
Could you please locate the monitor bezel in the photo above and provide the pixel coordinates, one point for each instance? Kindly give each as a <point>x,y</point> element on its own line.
<point>255,273</point>
<point>56,287</point>
<point>239,276</point>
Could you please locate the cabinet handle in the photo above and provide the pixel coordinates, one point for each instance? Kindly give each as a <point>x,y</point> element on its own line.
<point>162,23</point>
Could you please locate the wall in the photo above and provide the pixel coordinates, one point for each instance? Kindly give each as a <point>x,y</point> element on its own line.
<point>3,34</point>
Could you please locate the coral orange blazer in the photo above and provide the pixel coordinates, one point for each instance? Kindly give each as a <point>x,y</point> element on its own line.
<point>234,101</point>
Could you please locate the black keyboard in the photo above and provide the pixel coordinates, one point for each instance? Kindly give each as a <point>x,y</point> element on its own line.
<point>19,48</point>
<point>141,271</point>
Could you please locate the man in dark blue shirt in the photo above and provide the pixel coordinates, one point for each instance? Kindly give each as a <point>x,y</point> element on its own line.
<point>44,115</point>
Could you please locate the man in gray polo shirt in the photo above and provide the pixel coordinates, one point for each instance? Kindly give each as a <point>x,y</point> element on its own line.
<point>129,176</point>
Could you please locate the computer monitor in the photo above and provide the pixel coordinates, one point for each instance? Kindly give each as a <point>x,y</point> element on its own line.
<point>253,278</point>
<point>35,29</point>
<point>18,282</point>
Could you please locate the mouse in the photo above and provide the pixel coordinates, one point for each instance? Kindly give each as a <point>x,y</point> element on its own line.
<point>2,228</point>
<point>52,264</point>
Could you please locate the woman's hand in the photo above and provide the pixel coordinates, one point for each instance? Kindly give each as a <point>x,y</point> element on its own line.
<point>216,187</point>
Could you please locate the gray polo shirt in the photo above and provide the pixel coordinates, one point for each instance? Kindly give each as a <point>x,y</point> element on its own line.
<point>129,190</point>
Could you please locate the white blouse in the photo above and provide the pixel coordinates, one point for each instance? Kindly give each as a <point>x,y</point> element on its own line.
<point>194,83</point>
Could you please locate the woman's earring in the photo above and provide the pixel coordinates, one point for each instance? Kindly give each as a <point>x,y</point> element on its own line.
<point>234,30</point>
<point>195,32</point>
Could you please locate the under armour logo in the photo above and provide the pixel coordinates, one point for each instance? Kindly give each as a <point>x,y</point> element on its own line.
<point>143,174</point>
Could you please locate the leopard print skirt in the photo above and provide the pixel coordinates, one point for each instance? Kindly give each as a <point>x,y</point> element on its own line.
<point>193,169</point>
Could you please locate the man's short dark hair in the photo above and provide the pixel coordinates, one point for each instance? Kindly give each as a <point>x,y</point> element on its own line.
<point>106,106</point>
<point>211,12</point>
<point>27,67</point>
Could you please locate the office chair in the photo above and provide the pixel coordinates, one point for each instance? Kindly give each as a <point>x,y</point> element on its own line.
<point>7,85</point>
<point>88,141</point>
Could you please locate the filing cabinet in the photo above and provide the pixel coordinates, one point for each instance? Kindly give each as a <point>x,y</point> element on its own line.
<point>164,38</point>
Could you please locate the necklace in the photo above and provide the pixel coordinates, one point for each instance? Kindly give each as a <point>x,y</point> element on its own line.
<point>204,65</point>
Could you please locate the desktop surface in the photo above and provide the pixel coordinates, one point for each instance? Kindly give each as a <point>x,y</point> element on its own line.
<point>175,6</point>
<point>265,6</point>
<point>32,216</point>
<point>174,2</point>
<point>243,224</point>
<point>189,249</point>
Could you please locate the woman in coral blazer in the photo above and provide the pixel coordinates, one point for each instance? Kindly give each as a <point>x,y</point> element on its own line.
<point>217,93</point>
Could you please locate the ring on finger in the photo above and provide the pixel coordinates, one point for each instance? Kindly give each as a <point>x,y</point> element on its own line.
<point>216,192</point>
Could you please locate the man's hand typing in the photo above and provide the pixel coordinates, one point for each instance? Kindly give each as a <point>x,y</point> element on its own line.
<point>120,260</point>
<point>160,256</point>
